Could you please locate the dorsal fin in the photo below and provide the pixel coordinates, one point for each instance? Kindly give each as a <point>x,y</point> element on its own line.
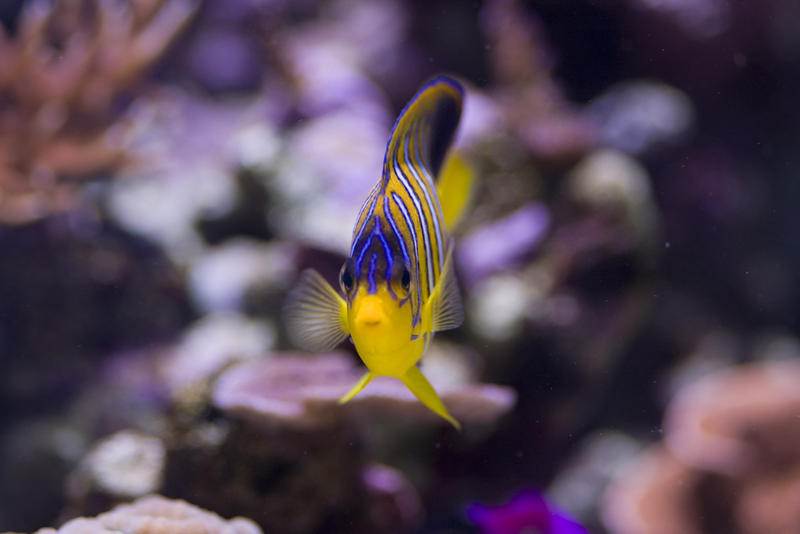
<point>430,119</point>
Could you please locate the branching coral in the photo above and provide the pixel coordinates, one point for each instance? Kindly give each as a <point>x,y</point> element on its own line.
<point>59,82</point>
<point>156,515</point>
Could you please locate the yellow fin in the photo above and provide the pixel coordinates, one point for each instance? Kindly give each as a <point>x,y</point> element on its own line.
<point>423,390</point>
<point>454,188</point>
<point>316,316</point>
<point>361,384</point>
<point>444,305</point>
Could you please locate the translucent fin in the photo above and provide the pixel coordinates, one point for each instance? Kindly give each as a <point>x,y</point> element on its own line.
<point>444,305</point>
<point>454,188</point>
<point>361,384</point>
<point>423,390</point>
<point>316,316</point>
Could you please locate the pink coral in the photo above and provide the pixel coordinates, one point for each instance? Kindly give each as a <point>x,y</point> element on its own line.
<point>303,390</point>
<point>731,461</point>
<point>59,79</point>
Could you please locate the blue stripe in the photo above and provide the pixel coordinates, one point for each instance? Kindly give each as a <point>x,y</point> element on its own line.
<point>386,249</point>
<point>437,215</point>
<point>361,255</point>
<point>425,186</point>
<point>357,238</point>
<point>371,274</point>
<point>407,217</point>
<point>388,213</point>
<point>426,240</point>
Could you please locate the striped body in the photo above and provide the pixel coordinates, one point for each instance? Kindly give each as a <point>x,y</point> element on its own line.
<point>401,220</point>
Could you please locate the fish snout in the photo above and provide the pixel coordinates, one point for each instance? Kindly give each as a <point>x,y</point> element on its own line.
<point>371,314</point>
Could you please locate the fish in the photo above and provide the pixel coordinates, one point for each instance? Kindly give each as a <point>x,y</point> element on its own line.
<point>397,285</point>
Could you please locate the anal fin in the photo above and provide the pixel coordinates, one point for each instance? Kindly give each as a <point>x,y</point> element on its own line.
<point>423,390</point>
<point>361,384</point>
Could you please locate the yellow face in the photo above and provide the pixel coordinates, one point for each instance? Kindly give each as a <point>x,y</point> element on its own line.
<point>380,324</point>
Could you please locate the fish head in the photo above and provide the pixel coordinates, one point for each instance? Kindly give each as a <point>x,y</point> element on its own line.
<point>380,316</point>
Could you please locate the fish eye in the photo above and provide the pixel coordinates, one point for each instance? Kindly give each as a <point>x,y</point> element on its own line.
<point>346,278</point>
<point>405,280</point>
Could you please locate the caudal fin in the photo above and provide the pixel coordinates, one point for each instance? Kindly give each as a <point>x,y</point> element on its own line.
<point>454,188</point>
<point>423,390</point>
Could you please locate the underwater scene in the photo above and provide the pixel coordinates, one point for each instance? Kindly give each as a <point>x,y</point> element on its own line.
<point>400,266</point>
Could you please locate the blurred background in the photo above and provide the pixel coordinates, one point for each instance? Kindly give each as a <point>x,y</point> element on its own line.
<point>629,265</point>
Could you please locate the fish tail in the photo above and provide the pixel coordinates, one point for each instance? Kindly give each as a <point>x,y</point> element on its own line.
<point>423,390</point>
<point>361,384</point>
<point>454,188</point>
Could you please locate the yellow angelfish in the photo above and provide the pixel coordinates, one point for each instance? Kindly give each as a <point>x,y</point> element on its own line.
<point>398,283</point>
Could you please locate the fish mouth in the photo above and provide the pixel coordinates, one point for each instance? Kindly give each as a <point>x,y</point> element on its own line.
<point>371,313</point>
<point>371,321</point>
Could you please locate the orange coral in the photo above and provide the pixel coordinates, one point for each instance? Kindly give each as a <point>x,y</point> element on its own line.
<point>58,81</point>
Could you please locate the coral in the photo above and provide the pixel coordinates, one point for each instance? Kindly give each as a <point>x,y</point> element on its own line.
<point>654,498</point>
<point>729,463</point>
<point>303,391</point>
<point>640,116</point>
<point>579,485</point>
<point>738,422</point>
<point>156,515</point>
<point>287,479</point>
<point>287,455</point>
<point>120,467</point>
<point>211,344</point>
<point>315,190</point>
<point>533,104</point>
<point>225,277</point>
<point>503,244</point>
<point>616,186</point>
<point>59,81</point>
<point>194,146</point>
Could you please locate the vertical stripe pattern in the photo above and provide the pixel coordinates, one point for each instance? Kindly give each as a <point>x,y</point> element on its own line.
<point>400,224</point>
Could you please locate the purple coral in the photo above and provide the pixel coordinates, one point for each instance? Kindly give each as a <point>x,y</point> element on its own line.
<point>527,511</point>
<point>499,245</point>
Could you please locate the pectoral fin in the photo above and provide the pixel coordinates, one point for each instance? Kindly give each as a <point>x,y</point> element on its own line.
<point>361,384</point>
<point>316,316</point>
<point>444,305</point>
<point>454,188</point>
<point>423,390</point>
